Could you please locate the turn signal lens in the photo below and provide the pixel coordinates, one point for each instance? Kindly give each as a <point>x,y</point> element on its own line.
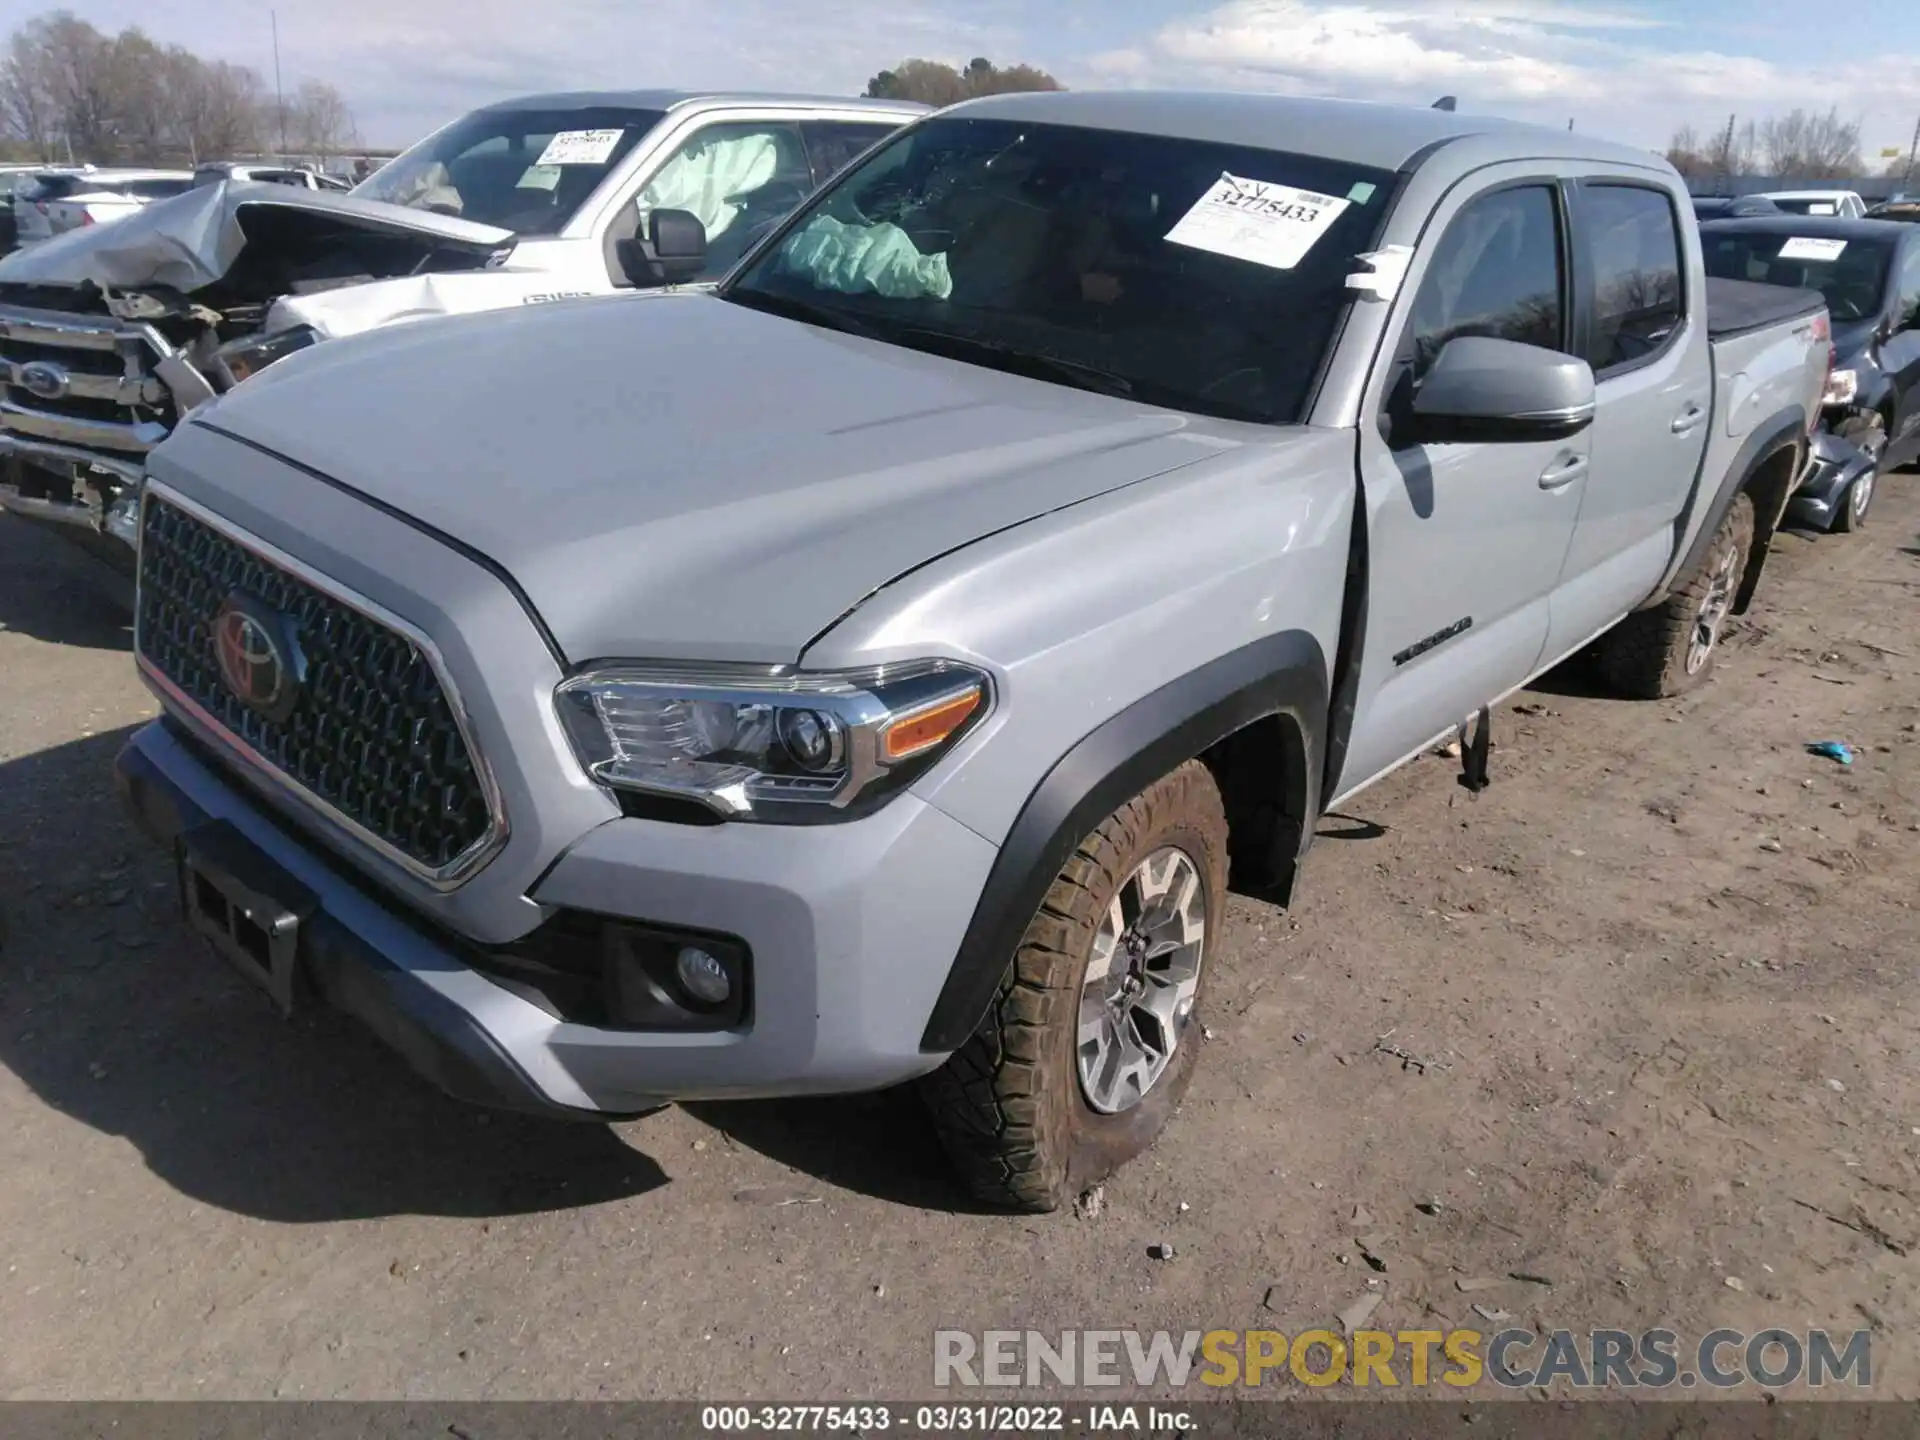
<point>919,731</point>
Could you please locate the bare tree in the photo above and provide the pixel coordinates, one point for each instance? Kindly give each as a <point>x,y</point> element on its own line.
<point>29,114</point>
<point>930,82</point>
<point>319,124</point>
<point>1811,146</point>
<point>1685,153</point>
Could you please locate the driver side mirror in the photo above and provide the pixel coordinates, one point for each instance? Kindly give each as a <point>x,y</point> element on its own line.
<point>1500,391</point>
<point>673,252</point>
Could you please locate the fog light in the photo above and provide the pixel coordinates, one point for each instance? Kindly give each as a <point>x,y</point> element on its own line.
<point>702,976</point>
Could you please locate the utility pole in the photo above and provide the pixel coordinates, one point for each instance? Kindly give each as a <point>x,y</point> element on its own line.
<point>1913,154</point>
<point>279,95</point>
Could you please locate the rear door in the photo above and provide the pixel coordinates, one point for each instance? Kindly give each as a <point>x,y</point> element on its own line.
<point>1465,540</point>
<point>1646,338</point>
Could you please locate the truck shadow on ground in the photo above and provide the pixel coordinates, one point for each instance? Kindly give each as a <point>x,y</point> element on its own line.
<point>880,1145</point>
<point>56,594</point>
<point>114,1015</point>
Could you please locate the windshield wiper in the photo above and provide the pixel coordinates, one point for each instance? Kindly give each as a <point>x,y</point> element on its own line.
<point>1015,360</point>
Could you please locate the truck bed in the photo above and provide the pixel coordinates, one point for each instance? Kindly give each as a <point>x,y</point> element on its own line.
<point>1735,307</point>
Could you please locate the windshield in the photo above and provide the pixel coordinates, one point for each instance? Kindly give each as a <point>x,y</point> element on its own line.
<point>1852,274</point>
<point>522,170</point>
<point>1198,276</point>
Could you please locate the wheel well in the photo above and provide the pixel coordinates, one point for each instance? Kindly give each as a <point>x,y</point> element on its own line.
<point>1262,771</point>
<point>1769,486</point>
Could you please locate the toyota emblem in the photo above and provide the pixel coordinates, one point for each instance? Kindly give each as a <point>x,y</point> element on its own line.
<point>44,380</point>
<point>257,657</point>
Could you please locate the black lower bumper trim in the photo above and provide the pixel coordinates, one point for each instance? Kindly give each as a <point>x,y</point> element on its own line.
<point>436,1037</point>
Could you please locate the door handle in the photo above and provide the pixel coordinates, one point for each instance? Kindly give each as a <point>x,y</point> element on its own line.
<point>1563,473</point>
<point>1689,420</point>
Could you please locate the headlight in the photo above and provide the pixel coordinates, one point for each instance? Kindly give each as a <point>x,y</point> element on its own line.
<point>1842,387</point>
<point>246,358</point>
<point>758,745</point>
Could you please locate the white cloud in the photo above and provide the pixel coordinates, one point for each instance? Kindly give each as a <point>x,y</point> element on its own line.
<point>1618,71</point>
<point>407,65</point>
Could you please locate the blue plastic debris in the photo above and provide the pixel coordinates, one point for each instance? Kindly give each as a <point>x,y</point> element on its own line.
<point>1832,750</point>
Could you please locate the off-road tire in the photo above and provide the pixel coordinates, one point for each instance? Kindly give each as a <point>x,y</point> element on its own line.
<point>1008,1104</point>
<point>1644,657</point>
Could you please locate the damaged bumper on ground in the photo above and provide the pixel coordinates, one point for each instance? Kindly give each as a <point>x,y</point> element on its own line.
<point>1832,468</point>
<point>109,336</point>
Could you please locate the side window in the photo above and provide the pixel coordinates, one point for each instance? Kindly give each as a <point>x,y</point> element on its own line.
<point>1497,272</point>
<point>738,178</point>
<point>1906,313</point>
<point>1637,302</point>
<point>836,144</point>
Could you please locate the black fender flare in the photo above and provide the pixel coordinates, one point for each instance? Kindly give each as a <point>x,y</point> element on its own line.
<point>1284,673</point>
<point>1786,430</point>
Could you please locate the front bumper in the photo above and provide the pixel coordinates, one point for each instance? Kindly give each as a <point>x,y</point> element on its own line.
<point>1832,467</point>
<point>852,928</point>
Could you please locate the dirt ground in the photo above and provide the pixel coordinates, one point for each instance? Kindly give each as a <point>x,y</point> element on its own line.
<point>1660,972</point>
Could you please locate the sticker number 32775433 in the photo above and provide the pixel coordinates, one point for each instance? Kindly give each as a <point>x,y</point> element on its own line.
<point>1255,220</point>
<point>580,147</point>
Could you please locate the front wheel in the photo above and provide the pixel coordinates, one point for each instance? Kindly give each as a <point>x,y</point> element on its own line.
<point>1869,432</point>
<point>1671,648</point>
<point>1092,1036</point>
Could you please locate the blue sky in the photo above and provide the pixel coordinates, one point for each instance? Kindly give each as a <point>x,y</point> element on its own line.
<point>1629,69</point>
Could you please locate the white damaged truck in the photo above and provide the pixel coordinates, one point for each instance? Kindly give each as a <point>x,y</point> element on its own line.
<point>109,336</point>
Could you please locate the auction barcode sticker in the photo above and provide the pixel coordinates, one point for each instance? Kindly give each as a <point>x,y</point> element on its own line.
<point>1806,247</point>
<point>580,147</point>
<point>1257,220</point>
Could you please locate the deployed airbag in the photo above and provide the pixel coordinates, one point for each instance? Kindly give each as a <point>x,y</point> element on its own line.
<point>710,180</point>
<point>859,259</point>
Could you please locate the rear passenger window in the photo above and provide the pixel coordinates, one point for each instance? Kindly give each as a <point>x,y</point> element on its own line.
<point>1496,272</point>
<point>1906,313</point>
<point>1637,302</point>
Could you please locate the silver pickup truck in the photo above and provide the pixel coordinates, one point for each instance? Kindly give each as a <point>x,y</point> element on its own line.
<point>879,668</point>
<point>109,336</point>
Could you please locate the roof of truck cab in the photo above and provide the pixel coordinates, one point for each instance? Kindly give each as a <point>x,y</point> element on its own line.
<point>674,99</point>
<point>1813,227</point>
<point>1384,137</point>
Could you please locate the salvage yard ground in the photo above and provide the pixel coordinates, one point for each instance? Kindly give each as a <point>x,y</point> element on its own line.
<point>1656,987</point>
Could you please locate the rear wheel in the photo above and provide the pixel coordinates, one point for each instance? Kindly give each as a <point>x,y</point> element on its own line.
<point>1092,1036</point>
<point>1671,648</point>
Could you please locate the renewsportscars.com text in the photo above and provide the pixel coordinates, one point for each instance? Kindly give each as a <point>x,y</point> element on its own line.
<point>1515,1359</point>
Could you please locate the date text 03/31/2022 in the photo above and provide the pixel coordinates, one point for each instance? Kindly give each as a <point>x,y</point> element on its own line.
<point>945,1419</point>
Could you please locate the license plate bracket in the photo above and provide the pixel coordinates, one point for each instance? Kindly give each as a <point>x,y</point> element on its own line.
<point>245,906</point>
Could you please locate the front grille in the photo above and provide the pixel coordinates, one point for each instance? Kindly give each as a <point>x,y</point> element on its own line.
<point>114,400</point>
<point>372,733</point>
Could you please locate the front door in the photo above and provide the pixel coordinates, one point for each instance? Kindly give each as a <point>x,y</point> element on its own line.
<point>1466,540</point>
<point>1900,359</point>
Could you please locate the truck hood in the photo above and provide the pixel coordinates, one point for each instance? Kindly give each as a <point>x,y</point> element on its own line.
<point>679,477</point>
<point>191,241</point>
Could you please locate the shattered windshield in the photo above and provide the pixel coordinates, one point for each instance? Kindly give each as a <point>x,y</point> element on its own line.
<point>1183,273</point>
<point>526,171</point>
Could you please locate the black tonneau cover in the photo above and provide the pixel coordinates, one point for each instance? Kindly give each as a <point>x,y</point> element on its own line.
<point>1736,306</point>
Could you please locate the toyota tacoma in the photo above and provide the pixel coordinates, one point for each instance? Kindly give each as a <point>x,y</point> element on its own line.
<point>878,669</point>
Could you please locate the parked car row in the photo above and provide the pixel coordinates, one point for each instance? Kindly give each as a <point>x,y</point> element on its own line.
<point>875,661</point>
<point>520,203</point>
